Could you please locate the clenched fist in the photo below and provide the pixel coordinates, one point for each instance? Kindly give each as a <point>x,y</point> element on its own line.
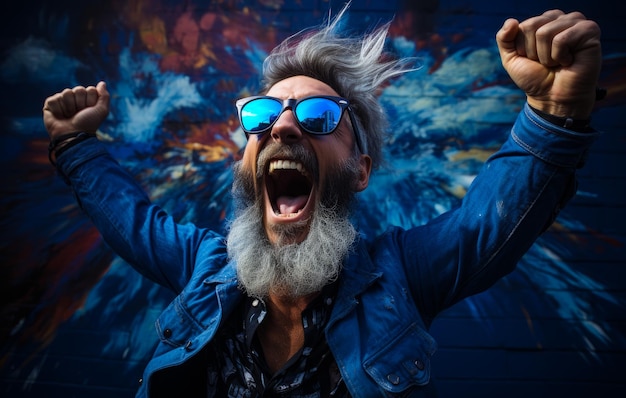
<point>555,58</point>
<point>76,109</point>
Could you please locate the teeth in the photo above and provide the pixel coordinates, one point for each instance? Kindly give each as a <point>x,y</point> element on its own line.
<point>289,215</point>
<point>286,165</point>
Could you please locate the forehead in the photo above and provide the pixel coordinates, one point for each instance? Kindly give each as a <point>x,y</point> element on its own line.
<point>300,87</point>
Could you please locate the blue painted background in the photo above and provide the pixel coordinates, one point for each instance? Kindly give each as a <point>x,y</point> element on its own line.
<point>76,321</point>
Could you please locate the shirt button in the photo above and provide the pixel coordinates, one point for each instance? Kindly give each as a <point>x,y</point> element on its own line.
<point>419,364</point>
<point>140,381</point>
<point>167,333</point>
<point>255,302</point>
<point>393,379</point>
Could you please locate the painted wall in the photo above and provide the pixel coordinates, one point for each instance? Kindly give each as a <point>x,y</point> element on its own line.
<point>76,321</point>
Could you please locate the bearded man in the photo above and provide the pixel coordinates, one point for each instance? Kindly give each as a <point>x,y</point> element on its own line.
<point>293,302</point>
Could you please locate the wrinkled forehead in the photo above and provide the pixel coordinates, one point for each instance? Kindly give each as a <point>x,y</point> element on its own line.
<point>300,87</point>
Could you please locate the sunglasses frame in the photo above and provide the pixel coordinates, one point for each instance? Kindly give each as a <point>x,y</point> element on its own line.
<point>292,104</point>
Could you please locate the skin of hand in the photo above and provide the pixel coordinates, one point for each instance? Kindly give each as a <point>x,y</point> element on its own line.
<point>555,58</point>
<point>76,109</point>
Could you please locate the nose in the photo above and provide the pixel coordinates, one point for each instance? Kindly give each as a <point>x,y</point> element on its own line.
<point>286,129</point>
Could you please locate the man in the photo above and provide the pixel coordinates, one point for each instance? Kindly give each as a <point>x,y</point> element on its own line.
<point>293,302</point>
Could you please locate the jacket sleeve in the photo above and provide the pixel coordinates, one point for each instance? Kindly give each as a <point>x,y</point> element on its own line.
<point>516,196</point>
<point>136,229</point>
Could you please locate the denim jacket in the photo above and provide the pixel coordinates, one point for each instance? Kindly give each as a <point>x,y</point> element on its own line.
<point>391,287</point>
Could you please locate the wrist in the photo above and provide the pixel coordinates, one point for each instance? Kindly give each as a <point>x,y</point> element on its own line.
<point>570,123</point>
<point>63,142</point>
<point>579,108</point>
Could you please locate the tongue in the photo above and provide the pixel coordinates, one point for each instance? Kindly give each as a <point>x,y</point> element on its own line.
<point>291,204</point>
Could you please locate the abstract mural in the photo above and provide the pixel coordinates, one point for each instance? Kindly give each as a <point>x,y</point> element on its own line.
<point>174,70</point>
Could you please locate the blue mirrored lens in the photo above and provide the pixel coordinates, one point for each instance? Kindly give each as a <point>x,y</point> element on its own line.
<point>259,114</point>
<point>318,115</point>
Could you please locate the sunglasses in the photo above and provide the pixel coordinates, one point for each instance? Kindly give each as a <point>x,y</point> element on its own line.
<point>317,115</point>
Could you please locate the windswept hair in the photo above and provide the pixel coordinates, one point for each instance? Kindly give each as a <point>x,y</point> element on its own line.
<point>355,67</point>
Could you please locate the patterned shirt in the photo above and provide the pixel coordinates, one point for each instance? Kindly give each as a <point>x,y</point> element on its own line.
<point>242,372</point>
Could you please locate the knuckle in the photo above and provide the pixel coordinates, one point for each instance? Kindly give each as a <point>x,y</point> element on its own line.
<point>576,15</point>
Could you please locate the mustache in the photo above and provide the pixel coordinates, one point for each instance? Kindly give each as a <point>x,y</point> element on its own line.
<point>276,150</point>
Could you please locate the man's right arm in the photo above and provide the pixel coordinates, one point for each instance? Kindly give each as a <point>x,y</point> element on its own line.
<point>136,229</point>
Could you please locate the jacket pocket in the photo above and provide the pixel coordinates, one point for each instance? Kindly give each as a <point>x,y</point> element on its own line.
<point>403,362</point>
<point>175,326</point>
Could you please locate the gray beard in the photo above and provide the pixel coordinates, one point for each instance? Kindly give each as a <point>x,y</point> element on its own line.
<point>289,270</point>
<point>292,269</point>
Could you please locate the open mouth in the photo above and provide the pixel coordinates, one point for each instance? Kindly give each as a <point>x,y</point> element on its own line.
<point>289,187</point>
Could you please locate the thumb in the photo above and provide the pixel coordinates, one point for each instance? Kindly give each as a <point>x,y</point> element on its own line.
<point>103,95</point>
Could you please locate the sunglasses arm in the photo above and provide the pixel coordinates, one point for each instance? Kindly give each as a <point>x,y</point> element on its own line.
<point>357,131</point>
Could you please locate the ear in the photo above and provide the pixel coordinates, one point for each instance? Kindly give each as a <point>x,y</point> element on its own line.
<point>365,167</point>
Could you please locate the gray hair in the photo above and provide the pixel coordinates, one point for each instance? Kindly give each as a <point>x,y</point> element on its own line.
<point>355,67</point>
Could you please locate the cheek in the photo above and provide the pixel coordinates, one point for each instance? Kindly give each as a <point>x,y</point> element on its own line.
<point>334,150</point>
<point>343,144</point>
<point>249,158</point>
<point>251,151</point>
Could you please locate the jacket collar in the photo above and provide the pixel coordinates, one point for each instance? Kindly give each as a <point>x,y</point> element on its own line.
<point>357,275</point>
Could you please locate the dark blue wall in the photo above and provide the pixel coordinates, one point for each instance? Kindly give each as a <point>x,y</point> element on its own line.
<point>76,321</point>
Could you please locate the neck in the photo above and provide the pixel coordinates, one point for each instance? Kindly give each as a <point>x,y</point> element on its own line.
<point>285,310</point>
<point>281,334</point>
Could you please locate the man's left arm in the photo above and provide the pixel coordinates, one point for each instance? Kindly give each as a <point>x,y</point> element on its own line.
<point>555,58</point>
